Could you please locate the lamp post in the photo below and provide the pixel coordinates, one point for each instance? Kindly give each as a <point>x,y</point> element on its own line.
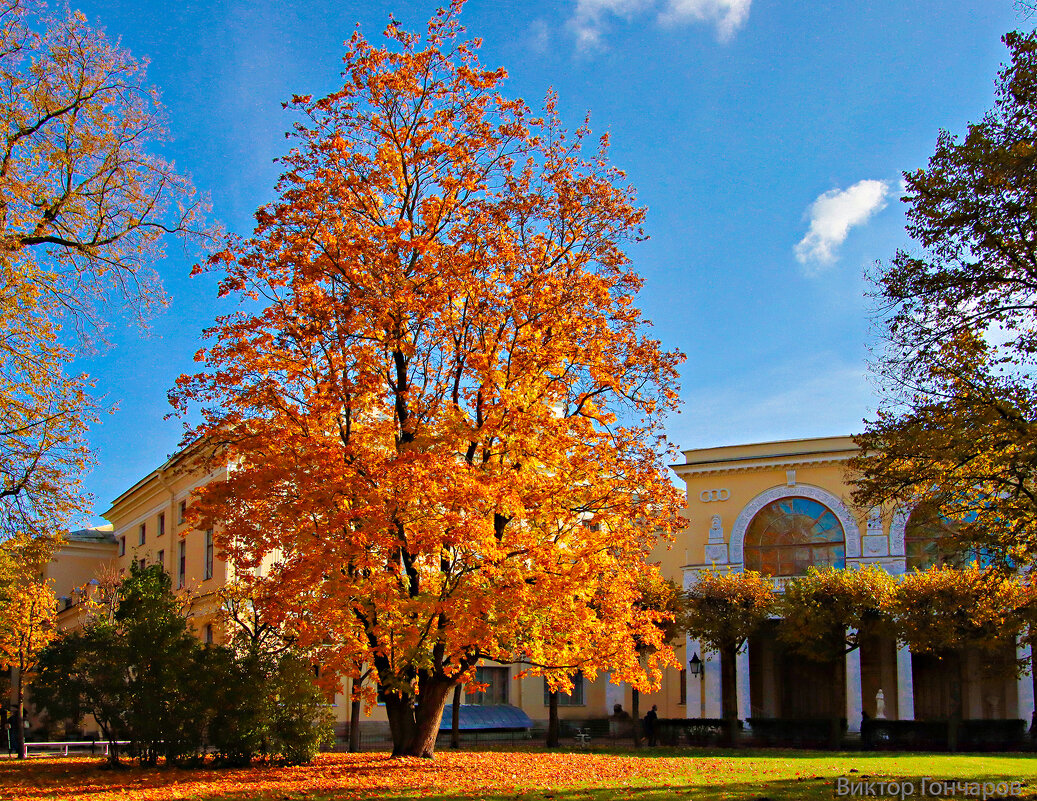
<point>696,667</point>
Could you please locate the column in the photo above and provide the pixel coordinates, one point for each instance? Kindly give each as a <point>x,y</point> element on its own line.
<point>742,680</point>
<point>693,684</point>
<point>711,664</point>
<point>854,702</point>
<point>905,684</point>
<point>1024,688</point>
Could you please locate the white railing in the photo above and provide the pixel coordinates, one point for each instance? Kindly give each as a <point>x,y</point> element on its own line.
<point>64,746</point>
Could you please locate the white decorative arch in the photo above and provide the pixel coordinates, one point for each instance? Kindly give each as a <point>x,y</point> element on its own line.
<point>898,531</point>
<point>851,530</point>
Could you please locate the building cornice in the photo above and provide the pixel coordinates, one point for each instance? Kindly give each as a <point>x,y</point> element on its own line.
<point>749,464</point>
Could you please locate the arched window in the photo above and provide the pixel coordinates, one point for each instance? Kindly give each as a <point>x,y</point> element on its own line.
<point>789,535</point>
<point>929,540</point>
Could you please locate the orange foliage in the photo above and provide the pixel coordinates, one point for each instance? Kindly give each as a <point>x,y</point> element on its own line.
<point>448,382</point>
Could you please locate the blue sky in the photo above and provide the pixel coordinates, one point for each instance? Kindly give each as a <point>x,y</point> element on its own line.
<point>765,138</point>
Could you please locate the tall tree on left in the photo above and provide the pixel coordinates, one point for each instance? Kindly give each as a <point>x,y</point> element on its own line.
<point>84,208</point>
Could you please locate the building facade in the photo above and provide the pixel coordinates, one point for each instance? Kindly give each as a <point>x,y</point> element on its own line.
<point>781,507</point>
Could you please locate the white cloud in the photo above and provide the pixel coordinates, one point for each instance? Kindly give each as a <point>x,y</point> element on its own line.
<point>729,15</point>
<point>589,22</point>
<point>832,216</point>
<point>539,37</point>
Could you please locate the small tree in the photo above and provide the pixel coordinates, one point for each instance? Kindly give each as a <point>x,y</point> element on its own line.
<point>27,617</point>
<point>957,610</point>
<point>827,613</point>
<point>722,611</point>
<point>84,673</point>
<point>662,601</point>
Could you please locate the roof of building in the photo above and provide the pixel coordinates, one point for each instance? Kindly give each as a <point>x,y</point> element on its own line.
<point>93,534</point>
<point>490,717</point>
<point>769,454</point>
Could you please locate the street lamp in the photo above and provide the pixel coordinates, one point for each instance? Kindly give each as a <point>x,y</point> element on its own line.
<point>696,666</point>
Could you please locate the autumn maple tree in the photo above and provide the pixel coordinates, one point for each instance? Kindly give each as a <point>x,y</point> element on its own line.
<point>445,419</point>
<point>28,609</point>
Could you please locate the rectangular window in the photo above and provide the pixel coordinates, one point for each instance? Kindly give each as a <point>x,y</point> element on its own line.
<point>575,698</point>
<point>162,559</point>
<point>208,553</point>
<point>208,633</point>
<point>182,513</point>
<point>497,690</point>
<point>161,523</point>
<point>122,546</point>
<point>684,687</point>
<point>143,533</point>
<point>181,572</point>
<point>142,563</point>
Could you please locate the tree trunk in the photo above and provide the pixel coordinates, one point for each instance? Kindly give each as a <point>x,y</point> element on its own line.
<point>635,713</point>
<point>354,725</point>
<point>455,718</point>
<point>729,694</point>
<point>957,703</point>
<point>1033,681</point>
<point>552,720</point>
<point>19,716</point>
<point>428,715</point>
<point>400,712</point>
<point>837,703</point>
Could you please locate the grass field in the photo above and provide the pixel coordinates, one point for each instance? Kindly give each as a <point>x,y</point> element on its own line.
<point>532,775</point>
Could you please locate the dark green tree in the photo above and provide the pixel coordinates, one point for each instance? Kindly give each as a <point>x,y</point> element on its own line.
<point>162,659</point>
<point>145,678</point>
<point>958,424</point>
<point>84,673</point>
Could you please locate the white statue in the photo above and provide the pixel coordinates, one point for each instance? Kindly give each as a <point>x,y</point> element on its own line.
<point>880,706</point>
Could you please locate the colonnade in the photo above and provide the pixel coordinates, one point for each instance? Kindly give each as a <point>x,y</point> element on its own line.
<point>704,692</point>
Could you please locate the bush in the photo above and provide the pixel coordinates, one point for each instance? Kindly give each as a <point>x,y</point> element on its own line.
<point>146,679</point>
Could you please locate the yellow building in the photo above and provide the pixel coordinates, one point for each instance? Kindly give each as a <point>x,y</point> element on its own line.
<point>780,507</point>
<point>738,497</point>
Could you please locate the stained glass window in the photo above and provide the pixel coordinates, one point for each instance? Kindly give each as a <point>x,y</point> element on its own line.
<point>789,535</point>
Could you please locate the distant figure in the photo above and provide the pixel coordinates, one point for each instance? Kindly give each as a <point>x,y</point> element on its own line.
<point>880,706</point>
<point>650,720</point>
<point>620,722</point>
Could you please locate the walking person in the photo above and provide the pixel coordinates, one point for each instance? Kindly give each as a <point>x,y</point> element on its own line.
<point>650,724</point>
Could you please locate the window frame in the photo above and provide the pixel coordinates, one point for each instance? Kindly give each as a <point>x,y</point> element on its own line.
<point>578,696</point>
<point>209,554</point>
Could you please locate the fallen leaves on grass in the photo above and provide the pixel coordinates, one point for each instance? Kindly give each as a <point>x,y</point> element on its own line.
<point>344,775</point>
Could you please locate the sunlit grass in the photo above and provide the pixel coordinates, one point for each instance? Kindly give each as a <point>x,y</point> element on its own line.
<point>530,774</point>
